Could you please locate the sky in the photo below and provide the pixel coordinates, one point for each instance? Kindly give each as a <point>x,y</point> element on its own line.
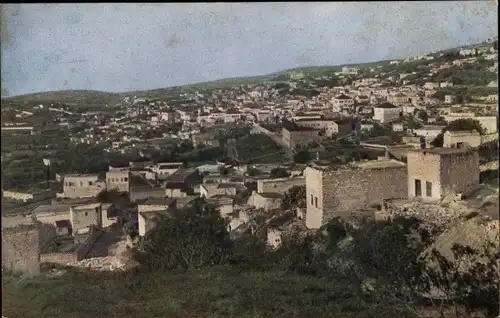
<point>122,47</point>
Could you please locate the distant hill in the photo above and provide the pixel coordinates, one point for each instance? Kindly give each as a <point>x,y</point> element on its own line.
<point>89,97</point>
<point>68,96</point>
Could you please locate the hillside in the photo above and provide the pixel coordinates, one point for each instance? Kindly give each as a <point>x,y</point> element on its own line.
<point>68,96</point>
<point>91,97</point>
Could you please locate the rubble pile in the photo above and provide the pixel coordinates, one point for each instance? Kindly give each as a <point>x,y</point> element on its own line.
<point>433,214</point>
<point>109,263</point>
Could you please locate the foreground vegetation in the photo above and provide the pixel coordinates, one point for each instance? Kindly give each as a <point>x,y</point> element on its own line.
<point>189,267</point>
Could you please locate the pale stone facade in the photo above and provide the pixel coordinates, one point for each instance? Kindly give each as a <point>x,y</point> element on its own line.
<point>279,185</point>
<point>386,114</point>
<point>453,139</point>
<point>118,180</point>
<point>434,173</point>
<point>84,216</point>
<point>82,186</point>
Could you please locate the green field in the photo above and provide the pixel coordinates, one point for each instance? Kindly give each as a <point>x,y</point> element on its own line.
<point>212,292</point>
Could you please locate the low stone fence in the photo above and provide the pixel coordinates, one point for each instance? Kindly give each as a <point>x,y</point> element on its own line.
<point>80,252</point>
<point>58,258</point>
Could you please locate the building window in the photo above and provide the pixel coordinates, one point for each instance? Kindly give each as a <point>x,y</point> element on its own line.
<point>90,183</point>
<point>418,188</point>
<point>428,189</point>
<point>316,202</point>
<point>125,179</point>
<point>312,199</point>
<point>86,213</point>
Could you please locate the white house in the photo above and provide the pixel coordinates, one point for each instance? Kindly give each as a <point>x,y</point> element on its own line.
<point>386,113</point>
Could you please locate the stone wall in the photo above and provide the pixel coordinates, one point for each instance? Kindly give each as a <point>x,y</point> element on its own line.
<point>279,185</point>
<point>82,250</point>
<point>58,258</point>
<point>21,250</point>
<point>47,232</point>
<point>86,241</point>
<point>346,192</point>
<point>460,172</point>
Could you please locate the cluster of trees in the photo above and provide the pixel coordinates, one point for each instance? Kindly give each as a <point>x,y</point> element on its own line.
<point>382,260</point>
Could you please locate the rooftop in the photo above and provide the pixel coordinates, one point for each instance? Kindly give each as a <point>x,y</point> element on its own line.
<point>462,132</point>
<point>431,127</point>
<point>442,151</point>
<point>81,175</point>
<point>386,105</point>
<point>87,206</point>
<point>379,164</point>
<point>158,201</point>
<point>154,215</point>
<point>53,208</point>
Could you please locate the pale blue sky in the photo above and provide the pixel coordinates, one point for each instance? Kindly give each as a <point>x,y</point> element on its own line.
<point>120,47</point>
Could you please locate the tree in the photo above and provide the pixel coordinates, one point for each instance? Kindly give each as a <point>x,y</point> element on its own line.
<point>294,197</point>
<point>466,124</point>
<point>469,279</point>
<point>423,116</point>
<point>252,172</point>
<point>194,237</point>
<point>278,173</point>
<point>302,156</point>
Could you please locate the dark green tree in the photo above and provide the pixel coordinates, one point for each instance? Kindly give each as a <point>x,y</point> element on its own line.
<point>469,279</point>
<point>194,237</point>
<point>302,156</point>
<point>278,173</point>
<point>294,197</point>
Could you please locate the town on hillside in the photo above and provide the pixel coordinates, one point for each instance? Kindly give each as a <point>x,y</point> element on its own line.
<point>87,185</point>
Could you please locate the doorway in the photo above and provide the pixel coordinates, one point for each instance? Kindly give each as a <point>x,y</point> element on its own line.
<point>418,188</point>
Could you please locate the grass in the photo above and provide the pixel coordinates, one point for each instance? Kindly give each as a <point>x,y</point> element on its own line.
<point>215,292</point>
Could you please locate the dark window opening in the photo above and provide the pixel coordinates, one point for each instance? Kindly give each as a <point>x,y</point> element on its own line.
<point>316,202</point>
<point>418,188</point>
<point>428,189</point>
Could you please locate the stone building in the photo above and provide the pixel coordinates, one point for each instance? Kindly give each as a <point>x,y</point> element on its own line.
<point>84,216</point>
<point>386,113</point>
<point>339,127</point>
<point>436,172</point>
<point>118,180</point>
<point>153,210</point>
<point>82,185</point>
<point>21,249</point>
<point>280,185</point>
<point>295,137</point>
<point>457,139</point>
<point>346,191</point>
